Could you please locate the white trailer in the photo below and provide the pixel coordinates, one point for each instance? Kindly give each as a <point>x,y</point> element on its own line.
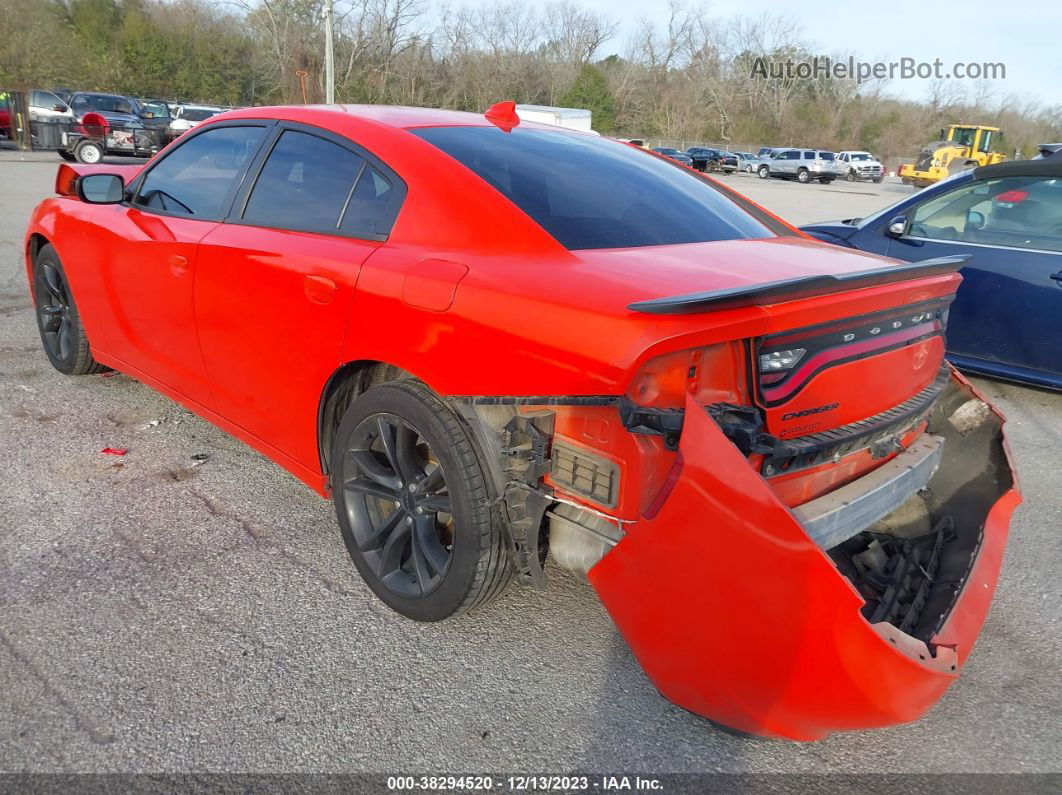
<point>571,118</point>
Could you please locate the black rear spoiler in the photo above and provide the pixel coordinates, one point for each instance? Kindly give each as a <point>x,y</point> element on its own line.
<point>793,289</point>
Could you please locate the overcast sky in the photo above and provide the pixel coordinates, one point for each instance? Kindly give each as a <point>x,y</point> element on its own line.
<point>1026,36</point>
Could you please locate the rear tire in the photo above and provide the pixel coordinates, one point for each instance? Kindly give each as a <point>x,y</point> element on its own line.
<point>764,172</point>
<point>414,504</point>
<point>58,321</point>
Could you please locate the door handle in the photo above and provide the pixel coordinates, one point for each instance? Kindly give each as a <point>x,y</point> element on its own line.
<point>1057,277</point>
<point>178,265</point>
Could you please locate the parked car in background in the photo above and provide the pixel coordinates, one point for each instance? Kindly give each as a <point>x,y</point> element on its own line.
<point>1047,150</point>
<point>709,427</point>
<point>857,166</point>
<point>186,117</point>
<point>712,160</point>
<point>803,165</point>
<point>748,162</point>
<point>767,152</point>
<point>1006,320</point>
<point>49,106</point>
<point>107,124</point>
<point>155,115</point>
<point>674,154</point>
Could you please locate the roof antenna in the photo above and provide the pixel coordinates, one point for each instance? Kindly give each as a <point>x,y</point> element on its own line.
<point>503,115</point>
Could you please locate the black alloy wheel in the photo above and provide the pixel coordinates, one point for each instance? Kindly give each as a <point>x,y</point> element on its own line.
<point>403,521</point>
<point>415,503</point>
<point>62,336</point>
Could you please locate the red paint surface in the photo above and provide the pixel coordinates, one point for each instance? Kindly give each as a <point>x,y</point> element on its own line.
<point>768,637</point>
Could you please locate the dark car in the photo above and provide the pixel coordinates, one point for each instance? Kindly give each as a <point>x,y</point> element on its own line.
<point>155,115</point>
<point>115,108</point>
<point>674,154</point>
<point>705,159</point>
<point>1006,319</point>
<point>108,124</point>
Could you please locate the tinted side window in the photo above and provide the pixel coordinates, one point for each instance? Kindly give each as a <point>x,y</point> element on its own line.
<point>372,207</point>
<point>195,179</point>
<point>809,155</point>
<point>305,184</point>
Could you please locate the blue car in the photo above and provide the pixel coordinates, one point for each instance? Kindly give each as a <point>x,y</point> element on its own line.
<point>1006,321</point>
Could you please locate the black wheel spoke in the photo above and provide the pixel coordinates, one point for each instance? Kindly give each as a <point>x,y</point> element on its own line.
<point>409,465</point>
<point>371,467</point>
<point>387,435</point>
<point>394,549</point>
<point>381,533</point>
<point>371,488</point>
<point>426,542</point>
<point>65,339</point>
<point>53,280</point>
<point>435,503</point>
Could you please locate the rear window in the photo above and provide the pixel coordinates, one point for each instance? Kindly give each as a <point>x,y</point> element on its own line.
<point>590,192</point>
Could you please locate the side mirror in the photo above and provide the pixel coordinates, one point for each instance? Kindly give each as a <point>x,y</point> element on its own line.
<point>897,226</point>
<point>101,189</point>
<point>975,220</point>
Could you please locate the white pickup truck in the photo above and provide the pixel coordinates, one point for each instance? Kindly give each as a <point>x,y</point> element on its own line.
<point>855,166</point>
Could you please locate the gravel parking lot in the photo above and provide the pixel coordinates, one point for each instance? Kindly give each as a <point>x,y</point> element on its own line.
<point>161,614</point>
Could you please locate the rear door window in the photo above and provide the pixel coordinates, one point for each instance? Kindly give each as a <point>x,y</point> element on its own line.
<point>312,184</point>
<point>589,192</point>
<point>198,178</point>
<point>809,155</point>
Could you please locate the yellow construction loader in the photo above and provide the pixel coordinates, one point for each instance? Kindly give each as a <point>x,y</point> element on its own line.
<point>964,146</point>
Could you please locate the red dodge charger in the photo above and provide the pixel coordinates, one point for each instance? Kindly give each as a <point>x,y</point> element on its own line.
<point>501,346</point>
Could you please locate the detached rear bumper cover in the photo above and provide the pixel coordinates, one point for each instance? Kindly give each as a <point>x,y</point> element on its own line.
<point>737,615</point>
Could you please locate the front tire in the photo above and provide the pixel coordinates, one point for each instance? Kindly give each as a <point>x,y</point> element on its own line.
<point>58,320</point>
<point>850,176</point>
<point>803,176</point>
<point>414,501</point>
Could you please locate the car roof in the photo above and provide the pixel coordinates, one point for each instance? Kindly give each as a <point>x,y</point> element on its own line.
<point>99,94</point>
<point>389,115</point>
<point>1048,167</point>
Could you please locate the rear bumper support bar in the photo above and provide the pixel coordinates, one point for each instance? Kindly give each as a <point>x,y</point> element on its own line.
<point>844,512</point>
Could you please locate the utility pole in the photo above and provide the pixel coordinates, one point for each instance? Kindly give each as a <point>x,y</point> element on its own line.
<point>330,66</point>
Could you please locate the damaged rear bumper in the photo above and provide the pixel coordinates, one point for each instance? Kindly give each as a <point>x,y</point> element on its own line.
<point>736,614</point>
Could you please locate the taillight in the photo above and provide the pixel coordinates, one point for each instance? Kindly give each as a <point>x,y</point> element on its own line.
<point>789,359</point>
<point>773,365</point>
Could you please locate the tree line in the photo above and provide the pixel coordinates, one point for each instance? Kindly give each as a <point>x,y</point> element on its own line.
<point>681,75</point>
